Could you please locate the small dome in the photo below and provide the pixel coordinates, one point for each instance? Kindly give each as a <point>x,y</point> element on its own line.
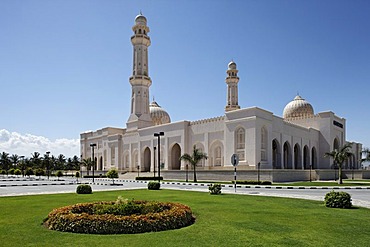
<point>158,114</point>
<point>298,108</point>
<point>140,20</point>
<point>232,65</point>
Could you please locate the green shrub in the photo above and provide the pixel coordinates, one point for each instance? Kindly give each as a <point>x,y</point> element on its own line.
<point>215,189</point>
<point>84,189</point>
<point>11,171</point>
<point>149,178</point>
<point>40,172</point>
<point>29,172</point>
<point>112,174</point>
<point>59,174</point>
<point>338,200</point>
<point>17,172</point>
<point>80,218</point>
<point>154,185</point>
<point>254,182</point>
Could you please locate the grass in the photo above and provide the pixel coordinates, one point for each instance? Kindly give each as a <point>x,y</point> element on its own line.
<point>346,183</point>
<point>224,220</point>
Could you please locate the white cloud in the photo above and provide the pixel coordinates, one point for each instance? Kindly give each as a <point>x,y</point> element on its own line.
<point>16,143</point>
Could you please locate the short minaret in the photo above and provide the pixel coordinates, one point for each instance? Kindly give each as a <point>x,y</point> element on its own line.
<point>140,80</point>
<point>232,80</point>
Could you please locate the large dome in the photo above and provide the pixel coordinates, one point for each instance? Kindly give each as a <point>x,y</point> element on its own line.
<point>298,108</point>
<point>158,114</point>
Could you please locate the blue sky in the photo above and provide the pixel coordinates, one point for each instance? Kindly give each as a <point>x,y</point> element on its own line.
<point>65,64</point>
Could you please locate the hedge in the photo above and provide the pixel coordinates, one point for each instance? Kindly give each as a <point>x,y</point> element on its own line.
<point>81,218</point>
<point>149,178</point>
<point>254,182</point>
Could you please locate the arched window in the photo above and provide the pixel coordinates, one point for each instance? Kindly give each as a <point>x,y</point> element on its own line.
<point>240,143</point>
<point>297,157</point>
<point>217,152</point>
<point>263,144</point>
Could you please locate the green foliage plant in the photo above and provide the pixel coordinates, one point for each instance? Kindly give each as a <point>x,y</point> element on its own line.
<point>215,189</point>
<point>112,174</point>
<point>77,175</point>
<point>59,174</point>
<point>339,199</point>
<point>11,171</point>
<point>29,172</point>
<point>84,189</point>
<point>129,216</point>
<point>17,172</point>
<point>153,185</point>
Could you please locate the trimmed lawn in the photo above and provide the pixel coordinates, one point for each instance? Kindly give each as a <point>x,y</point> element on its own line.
<point>224,220</point>
<point>346,183</point>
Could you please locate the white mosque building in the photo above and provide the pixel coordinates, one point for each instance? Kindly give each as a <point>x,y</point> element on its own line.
<point>295,142</point>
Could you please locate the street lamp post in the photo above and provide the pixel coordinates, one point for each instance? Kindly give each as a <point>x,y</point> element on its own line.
<point>138,171</point>
<point>154,163</point>
<point>258,172</point>
<point>48,165</point>
<point>93,145</point>
<point>187,169</point>
<point>159,134</point>
<point>310,173</point>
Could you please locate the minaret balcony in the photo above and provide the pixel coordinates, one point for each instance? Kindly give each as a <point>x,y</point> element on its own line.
<point>140,39</point>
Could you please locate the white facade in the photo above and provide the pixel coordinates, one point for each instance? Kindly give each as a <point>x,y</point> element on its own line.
<point>297,141</point>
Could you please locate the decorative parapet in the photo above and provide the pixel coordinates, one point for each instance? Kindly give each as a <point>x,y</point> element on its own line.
<point>208,120</point>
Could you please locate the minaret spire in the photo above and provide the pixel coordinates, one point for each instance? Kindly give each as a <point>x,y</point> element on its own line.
<point>140,80</point>
<point>232,80</point>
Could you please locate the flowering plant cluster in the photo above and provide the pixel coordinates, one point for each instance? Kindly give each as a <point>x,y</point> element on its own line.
<point>121,216</point>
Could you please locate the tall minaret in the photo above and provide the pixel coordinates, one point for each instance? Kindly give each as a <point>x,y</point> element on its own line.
<point>140,80</point>
<point>232,80</point>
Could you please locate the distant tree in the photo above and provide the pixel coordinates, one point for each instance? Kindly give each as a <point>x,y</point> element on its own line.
<point>88,164</point>
<point>112,173</point>
<point>60,162</point>
<point>5,162</point>
<point>365,155</point>
<point>14,159</point>
<point>194,159</point>
<point>35,161</point>
<point>59,174</point>
<point>339,156</point>
<point>77,175</point>
<point>76,163</point>
<point>22,165</point>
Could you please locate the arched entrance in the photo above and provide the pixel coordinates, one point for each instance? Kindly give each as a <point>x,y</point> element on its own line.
<point>147,160</point>
<point>287,156</point>
<point>313,158</point>
<point>306,158</point>
<point>175,157</point>
<point>276,155</point>
<point>297,157</point>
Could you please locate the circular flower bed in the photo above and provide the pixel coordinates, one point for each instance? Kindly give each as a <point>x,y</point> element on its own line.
<point>121,216</point>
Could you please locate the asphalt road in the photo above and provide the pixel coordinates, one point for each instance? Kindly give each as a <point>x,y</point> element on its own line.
<point>20,186</point>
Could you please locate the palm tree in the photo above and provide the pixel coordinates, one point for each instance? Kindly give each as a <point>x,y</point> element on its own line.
<point>14,159</point>
<point>87,163</point>
<point>76,163</point>
<point>339,157</point>
<point>35,160</point>
<point>194,159</point>
<point>366,155</point>
<point>61,161</point>
<point>5,161</point>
